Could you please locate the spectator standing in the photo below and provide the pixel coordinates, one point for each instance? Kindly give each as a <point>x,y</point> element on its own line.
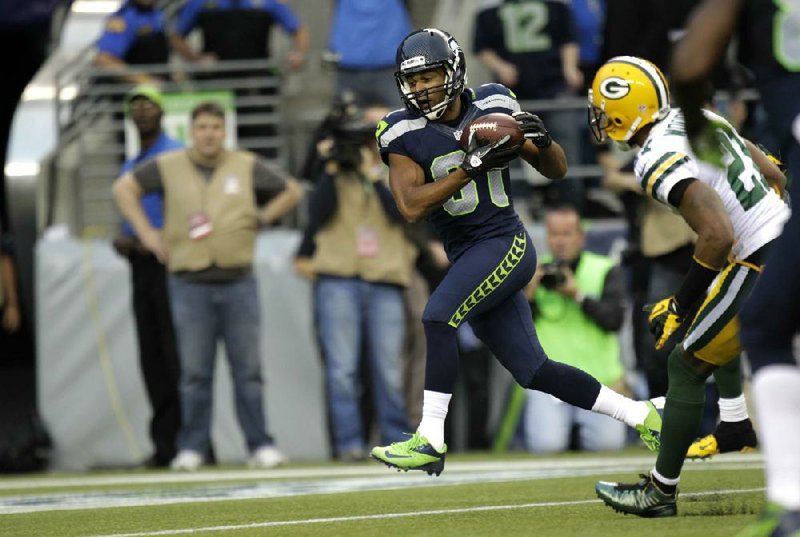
<point>241,30</point>
<point>531,47</point>
<point>362,262</point>
<point>363,37</point>
<point>134,35</point>
<point>158,355</point>
<point>211,214</point>
<point>578,302</point>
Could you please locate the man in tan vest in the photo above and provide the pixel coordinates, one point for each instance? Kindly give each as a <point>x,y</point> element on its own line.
<point>214,201</point>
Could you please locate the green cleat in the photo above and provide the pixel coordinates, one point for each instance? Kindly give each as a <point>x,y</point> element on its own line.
<point>775,521</point>
<point>650,430</point>
<point>416,453</point>
<point>643,499</point>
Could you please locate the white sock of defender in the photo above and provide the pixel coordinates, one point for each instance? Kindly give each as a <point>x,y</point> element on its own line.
<point>733,410</point>
<point>434,411</point>
<point>620,408</point>
<point>777,398</point>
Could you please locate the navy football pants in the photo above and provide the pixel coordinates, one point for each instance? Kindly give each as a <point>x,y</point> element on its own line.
<point>771,316</point>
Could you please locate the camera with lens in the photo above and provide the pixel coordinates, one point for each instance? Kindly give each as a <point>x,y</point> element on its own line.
<point>348,139</point>
<point>553,274</point>
<point>346,127</point>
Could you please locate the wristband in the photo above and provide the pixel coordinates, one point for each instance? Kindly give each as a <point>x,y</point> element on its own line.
<point>697,280</point>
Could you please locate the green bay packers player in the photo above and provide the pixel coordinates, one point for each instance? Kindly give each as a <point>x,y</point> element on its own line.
<point>736,211</point>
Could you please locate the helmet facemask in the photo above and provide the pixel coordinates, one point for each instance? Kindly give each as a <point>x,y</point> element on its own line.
<point>426,50</point>
<point>420,101</point>
<point>627,94</point>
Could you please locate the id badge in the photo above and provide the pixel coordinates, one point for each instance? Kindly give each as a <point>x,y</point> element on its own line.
<point>367,241</point>
<point>199,226</point>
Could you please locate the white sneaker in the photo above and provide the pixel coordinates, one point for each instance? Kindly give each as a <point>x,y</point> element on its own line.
<point>266,457</point>
<point>186,461</point>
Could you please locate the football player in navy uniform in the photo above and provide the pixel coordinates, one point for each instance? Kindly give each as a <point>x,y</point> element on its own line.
<point>768,45</point>
<point>465,196</point>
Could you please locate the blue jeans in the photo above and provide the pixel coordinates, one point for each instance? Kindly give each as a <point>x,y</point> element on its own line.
<point>548,423</point>
<point>203,313</point>
<point>350,311</point>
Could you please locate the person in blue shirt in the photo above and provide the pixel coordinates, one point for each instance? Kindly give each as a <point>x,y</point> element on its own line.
<point>363,37</point>
<point>158,355</point>
<point>134,35</point>
<point>238,30</point>
<point>464,194</point>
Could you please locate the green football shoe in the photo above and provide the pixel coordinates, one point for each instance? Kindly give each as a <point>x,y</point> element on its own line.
<point>643,499</point>
<point>416,453</point>
<point>775,521</point>
<point>650,430</point>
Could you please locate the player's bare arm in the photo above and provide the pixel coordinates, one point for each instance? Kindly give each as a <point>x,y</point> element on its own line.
<point>550,162</point>
<point>707,35</point>
<point>771,172</point>
<point>413,196</point>
<point>703,210</point>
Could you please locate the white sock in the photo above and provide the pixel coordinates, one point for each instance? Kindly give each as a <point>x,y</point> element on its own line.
<point>777,397</point>
<point>434,411</point>
<point>620,408</point>
<point>733,410</point>
<point>666,480</point>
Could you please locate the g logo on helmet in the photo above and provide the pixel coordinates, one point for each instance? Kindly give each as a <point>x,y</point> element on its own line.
<point>614,88</point>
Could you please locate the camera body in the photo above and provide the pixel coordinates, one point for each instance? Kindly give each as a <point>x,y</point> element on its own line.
<point>349,136</point>
<point>553,274</point>
<point>346,127</point>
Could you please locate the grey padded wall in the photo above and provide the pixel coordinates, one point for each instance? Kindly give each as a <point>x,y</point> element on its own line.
<point>90,390</point>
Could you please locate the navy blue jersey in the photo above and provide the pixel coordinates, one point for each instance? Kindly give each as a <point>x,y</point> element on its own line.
<point>530,35</point>
<point>481,209</point>
<point>768,45</point>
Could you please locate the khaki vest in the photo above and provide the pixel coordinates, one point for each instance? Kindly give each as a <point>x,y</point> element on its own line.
<point>568,335</point>
<point>360,213</point>
<point>227,200</point>
<point>663,231</point>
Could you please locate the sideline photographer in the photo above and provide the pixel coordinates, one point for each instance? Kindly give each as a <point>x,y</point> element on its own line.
<point>578,303</point>
<point>357,252</point>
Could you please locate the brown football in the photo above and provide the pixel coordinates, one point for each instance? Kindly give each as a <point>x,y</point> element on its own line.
<point>491,128</point>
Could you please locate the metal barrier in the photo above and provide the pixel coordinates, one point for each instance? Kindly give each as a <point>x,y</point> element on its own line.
<point>90,123</point>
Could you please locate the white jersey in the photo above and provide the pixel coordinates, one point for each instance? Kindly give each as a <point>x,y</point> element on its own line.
<point>756,212</point>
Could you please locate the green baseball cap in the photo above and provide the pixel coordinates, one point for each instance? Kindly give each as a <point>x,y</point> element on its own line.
<point>148,91</point>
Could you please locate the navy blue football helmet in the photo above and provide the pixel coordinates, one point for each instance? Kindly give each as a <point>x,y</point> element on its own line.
<point>426,49</point>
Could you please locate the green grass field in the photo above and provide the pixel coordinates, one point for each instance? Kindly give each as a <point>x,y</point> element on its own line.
<point>478,494</point>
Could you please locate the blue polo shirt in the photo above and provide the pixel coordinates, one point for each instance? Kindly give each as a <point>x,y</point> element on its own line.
<point>279,11</point>
<point>130,26</point>
<point>365,33</point>
<point>151,203</point>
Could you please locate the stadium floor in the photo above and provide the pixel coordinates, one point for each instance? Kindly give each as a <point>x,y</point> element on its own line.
<point>478,494</point>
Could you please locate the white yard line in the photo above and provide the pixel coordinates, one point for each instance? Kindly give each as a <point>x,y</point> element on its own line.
<point>383,516</point>
<point>370,469</point>
<point>332,481</point>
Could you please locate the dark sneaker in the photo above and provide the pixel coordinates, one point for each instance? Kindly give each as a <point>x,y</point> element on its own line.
<point>644,498</point>
<point>775,521</point>
<point>728,437</point>
<point>416,453</point>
